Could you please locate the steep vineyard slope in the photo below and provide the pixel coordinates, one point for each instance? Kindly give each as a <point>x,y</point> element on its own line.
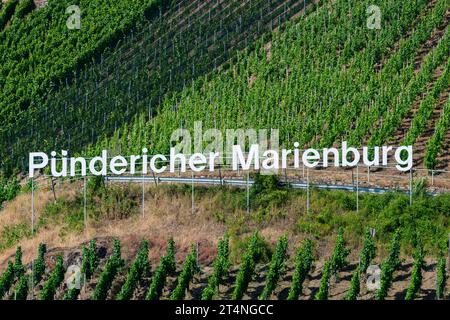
<point>188,40</point>
<point>39,50</point>
<point>313,95</point>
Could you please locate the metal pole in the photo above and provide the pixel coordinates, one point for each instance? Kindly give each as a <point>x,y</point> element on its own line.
<point>32,232</point>
<point>143,197</point>
<point>193,209</point>
<point>32,206</point>
<point>307,190</point>
<point>197,253</point>
<point>410,187</point>
<point>432,177</point>
<point>248,194</point>
<point>448,256</point>
<point>357,188</point>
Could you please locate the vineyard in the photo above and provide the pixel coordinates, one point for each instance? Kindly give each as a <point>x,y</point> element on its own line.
<point>328,253</point>
<point>123,75</point>
<point>217,60</point>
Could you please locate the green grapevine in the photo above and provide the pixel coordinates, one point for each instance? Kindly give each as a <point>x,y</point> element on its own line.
<point>21,292</point>
<point>354,286</point>
<point>441,277</point>
<point>54,281</point>
<point>247,269</point>
<point>39,264</point>
<point>90,260</point>
<point>324,287</point>
<point>303,263</point>
<point>221,266</point>
<point>19,268</point>
<point>368,252</point>
<point>24,8</point>
<point>72,294</point>
<point>190,268</point>
<point>7,12</point>
<point>139,269</point>
<point>416,275</point>
<point>166,267</point>
<point>389,266</point>
<point>277,268</point>
<point>112,267</point>
<point>7,279</point>
<point>340,253</point>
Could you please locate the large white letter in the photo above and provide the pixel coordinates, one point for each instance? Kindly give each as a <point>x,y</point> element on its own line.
<point>408,162</point>
<point>73,166</point>
<point>195,160</point>
<point>153,163</point>
<point>326,153</point>
<point>346,151</point>
<point>271,161</point>
<point>376,157</point>
<point>238,157</point>
<point>34,166</point>
<point>311,155</point>
<point>118,162</point>
<point>103,159</point>
<point>174,156</point>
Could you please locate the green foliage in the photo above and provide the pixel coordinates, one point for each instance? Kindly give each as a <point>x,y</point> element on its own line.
<point>24,8</point>
<point>111,269</point>
<point>359,83</point>
<point>394,251</point>
<point>355,288</point>
<point>340,253</point>
<point>190,268</point>
<point>39,264</point>
<point>19,268</point>
<point>221,266</point>
<point>303,262</point>
<point>277,268</point>
<point>166,267</point>
<point>7,279</point>
<point>266,191</point>
<point>247,268</point>
<point>416,274</point>
<point>21,292</point>
<point>426,107</point>
<point>324,287</point>
<point>7,13</point>
<point>90,260</point>
<point>8,190</point>
<point>29,69</point>
<point>368,252</point>
<point>240,245</point>
<point>10,235</point>
<point>138,270</point>
<point>389,266</point>
<point>436,143</point>
<point>54,281</point>
<point>441,277</point>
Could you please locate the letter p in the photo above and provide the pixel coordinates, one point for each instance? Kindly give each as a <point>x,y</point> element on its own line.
<point>33,166</point>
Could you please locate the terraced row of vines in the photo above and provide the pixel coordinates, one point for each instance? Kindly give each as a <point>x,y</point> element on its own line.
<point>105,275</point>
